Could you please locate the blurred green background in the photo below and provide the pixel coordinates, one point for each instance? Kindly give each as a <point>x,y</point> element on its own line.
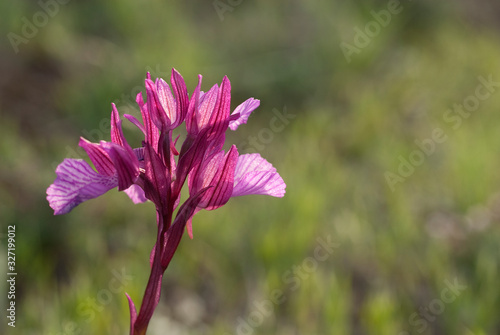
<point>416,243</point>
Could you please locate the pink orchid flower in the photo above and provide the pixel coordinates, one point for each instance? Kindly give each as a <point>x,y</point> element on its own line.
<point>156,171</point>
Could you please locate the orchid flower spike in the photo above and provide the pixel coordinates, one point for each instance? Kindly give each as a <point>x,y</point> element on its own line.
<point>157,168</point>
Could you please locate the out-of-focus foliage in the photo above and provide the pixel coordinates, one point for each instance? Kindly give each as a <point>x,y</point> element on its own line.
<point>398,248</point>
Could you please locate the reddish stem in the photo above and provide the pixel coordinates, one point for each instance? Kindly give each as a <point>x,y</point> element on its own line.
<point>153,289</point>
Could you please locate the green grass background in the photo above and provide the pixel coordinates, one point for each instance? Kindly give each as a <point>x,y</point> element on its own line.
<point>353,121</point>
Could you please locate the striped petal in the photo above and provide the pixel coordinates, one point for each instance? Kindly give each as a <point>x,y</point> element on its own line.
<point>156,111</point>
<point>181,94</point>
<point>166,100</point>
<point>157,179</point>
<point>125,162</point>
<point>99,157</point>
<point>135,122</point>
<point>255,175</point>
<point>152,134</point>
<point>191,123</point>
<point>219,120</point>
<point>76,182</point>
<point>218,175</point>
<point>116,127</point>
<point>206,107</point>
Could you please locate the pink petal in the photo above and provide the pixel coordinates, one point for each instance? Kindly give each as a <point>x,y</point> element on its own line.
<point>125,162</point>
<point>191,123</point>
<point>204,173</point>
<point>181,94</point>
<point>152,134</point>
<point>156,111</point>
<point>244,110</point>
<point>166,99</point>
<point>76,182</point>
<point>116,127</point>
<point>255,175</point>
<point>135,122</point>
<point>222,182</point>
<point>191,156</point>
<point>202,95</point>
<point>219,120</point>
<point>136,194</point>
<point>206,108</point>
<point>99,157</point>
<point>157,179</point>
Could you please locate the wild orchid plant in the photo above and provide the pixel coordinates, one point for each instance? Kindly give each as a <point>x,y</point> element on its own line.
<point>152,172</point>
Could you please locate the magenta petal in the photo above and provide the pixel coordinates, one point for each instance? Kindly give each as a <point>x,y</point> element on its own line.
<point>255,175</point>
<point>181,94</point>
<point>203,176</point>
<point>191,123</point>
<point>135,122</point>
<point>99,157</point>
<point>222,183</point>
<point>76,182</point>
<point>133,313</point>
<point>116,127</point>
<point>206,108</point>
<point>202,94</point>
<point>152,134</point>
<point>166,100</point>
<point>190,157</point>
<point>136,194</point>
<point>125,162</point>
<point>244,110</point>
<point>156,111</point>
<point>157,179</point>
<point>219,120</point>
<point>139,153</point>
